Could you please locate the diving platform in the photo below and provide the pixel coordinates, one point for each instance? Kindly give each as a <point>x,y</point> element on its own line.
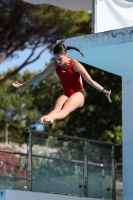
<point>111,51</point>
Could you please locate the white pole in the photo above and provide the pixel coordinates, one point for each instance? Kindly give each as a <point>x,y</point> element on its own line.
<point>127,126</point>
<point>93,18</point>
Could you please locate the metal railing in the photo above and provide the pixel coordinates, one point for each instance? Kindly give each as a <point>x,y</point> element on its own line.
<point>85,163</point>
<point>85,185</point>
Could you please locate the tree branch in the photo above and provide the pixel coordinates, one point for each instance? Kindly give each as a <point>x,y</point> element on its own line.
<point>11,74</point>
<point>9,51</point>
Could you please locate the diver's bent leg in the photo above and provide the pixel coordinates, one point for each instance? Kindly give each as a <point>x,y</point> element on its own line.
<point>58,106</point>
<point>73,102</point>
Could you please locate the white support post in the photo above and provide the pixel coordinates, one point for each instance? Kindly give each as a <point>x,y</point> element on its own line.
<point>127,118</point>
<point>93,18</point>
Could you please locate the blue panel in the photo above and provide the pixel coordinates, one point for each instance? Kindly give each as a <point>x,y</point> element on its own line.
<point>2,194</point>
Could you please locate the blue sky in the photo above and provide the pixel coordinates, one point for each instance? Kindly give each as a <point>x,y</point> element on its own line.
<point>35,66</point>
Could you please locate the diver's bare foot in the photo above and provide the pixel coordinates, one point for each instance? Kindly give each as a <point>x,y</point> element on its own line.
<point>47,119</point>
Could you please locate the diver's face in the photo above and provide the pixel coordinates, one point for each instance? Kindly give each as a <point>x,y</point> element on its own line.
<point>61,59</point>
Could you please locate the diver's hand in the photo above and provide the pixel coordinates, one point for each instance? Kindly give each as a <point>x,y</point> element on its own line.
<point>108,93</point>
<point>20,86</point>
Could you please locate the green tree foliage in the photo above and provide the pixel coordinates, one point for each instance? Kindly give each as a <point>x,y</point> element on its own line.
<point>27,26</point>
<point>16,111</point>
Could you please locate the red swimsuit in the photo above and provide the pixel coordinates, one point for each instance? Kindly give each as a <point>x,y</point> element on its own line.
<point>69,79</point>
